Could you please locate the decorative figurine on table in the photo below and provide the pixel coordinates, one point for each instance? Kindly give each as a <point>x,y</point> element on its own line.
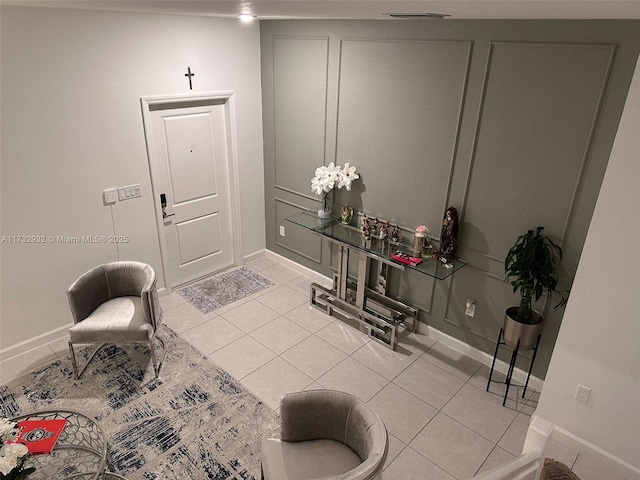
<point>364,223</point>
<point>384,230</point>
<point>346,214</point>
<point>448,236</point>
<point>427,248</point>
<point>395,234</point>
<point>365,227</point>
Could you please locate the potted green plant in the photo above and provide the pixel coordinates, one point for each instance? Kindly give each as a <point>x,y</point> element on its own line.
<point>531,268</point>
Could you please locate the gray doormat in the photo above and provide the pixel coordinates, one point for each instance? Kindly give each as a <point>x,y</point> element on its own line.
<point>194,422</point>
<point>224,289</point>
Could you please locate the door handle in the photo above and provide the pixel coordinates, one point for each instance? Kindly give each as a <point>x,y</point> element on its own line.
<point>163,204</point>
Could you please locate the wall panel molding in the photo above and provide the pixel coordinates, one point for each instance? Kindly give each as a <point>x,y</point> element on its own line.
<point>316,259</point>
<point>575,186</point>
<point>314,198</point>
<point>300,73</point>
<point>406,104</point>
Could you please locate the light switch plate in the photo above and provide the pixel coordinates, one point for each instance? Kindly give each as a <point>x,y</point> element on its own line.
<point>130,191</point>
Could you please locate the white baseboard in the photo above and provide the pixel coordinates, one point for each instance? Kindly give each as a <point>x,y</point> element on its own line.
<point>255,255</point>
<point>315,276</point>
<point>540,430</point>
<point>596,453</point>
<point>34,342</point>
<point>485,358</point>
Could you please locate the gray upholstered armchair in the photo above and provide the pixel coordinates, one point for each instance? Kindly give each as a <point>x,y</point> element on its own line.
<point>115,303</point>
<point>325,435</point>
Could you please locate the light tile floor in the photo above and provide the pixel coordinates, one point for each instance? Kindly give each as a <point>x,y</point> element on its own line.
<point>442,423</point>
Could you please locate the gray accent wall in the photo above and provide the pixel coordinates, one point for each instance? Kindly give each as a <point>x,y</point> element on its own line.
<point>511,122</point>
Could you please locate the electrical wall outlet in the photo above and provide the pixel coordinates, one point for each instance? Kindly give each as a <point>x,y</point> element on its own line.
<point>470,308</point>
<point>282,230</point>
<point>582,393</point>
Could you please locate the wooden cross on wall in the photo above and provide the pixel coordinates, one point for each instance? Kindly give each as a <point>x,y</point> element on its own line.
<point>189,74</point>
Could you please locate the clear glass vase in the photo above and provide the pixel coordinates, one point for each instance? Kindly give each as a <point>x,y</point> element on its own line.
<point>418,244</point>
<point>325,211</point>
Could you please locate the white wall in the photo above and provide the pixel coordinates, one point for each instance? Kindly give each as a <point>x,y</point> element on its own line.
<point>599,342</point>
<point>72,126</point>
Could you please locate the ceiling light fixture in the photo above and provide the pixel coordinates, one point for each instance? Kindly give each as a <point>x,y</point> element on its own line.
<point>418,15</point>
<point>247,17</point>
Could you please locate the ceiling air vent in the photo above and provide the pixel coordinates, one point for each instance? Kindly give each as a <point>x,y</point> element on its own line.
<point>418,15</point>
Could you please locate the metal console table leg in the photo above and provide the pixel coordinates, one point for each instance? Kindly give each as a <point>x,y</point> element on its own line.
<point>512,365</point>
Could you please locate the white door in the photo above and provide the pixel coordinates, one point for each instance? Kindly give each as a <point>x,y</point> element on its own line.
<point>189,147</point>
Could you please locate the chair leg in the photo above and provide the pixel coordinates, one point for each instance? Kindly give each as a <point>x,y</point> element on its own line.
<point>157,364</point>
<point>73,361</point>
<point>153,358</point>
<point>79,372</point>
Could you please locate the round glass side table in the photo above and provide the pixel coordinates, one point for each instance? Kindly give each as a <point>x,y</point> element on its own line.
<point>80,453</point>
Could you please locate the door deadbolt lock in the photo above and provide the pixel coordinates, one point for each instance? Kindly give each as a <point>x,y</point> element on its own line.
<point>163,204</point>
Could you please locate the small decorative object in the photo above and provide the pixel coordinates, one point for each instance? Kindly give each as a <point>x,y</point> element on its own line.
<point>553,469</point>
<point>406,259</point>
<point>448,236</point>
<point>40,436</point>
<point>189,74</point>
<point>374,227</point>
<point>384,230</point>
<point>395,234</point>
<point>365,227</point>
<point>418,240</point>
<point>346,214</point>
<point>12,455</point>
<point>327,178</point>
<point>427,247</point>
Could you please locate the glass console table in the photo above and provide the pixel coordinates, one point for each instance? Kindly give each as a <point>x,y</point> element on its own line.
<point>373,308</point>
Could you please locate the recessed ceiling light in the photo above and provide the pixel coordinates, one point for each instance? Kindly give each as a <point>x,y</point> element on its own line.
<point>418,15</point>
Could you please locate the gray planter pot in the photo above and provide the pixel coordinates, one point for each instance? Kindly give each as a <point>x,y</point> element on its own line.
<point>515,330</point>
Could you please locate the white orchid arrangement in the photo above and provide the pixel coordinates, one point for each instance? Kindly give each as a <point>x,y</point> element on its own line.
<point>12,455</point>
<point>327,177</point>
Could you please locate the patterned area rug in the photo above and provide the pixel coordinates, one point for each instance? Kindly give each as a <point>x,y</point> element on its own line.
<point>195,422</point>
<point>224,289</point>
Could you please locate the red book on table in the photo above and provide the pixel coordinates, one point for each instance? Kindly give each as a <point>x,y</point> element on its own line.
<point>40,436</point>
<point>406,259</point>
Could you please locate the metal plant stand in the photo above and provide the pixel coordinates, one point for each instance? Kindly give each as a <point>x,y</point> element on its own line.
<point>512,364</point>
